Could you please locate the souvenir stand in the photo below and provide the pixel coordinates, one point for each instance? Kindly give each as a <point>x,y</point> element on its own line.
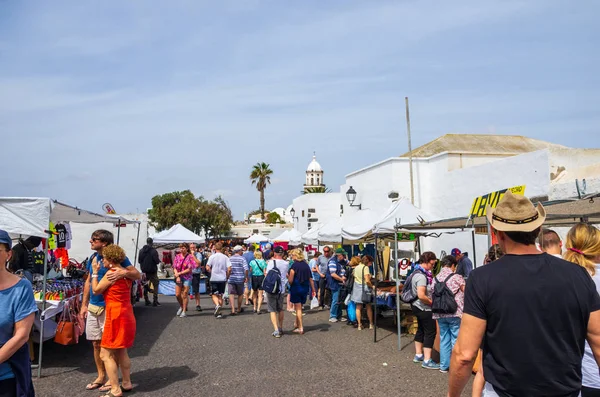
<point>27,216</point>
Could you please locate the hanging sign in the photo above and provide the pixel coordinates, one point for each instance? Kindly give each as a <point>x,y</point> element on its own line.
<point>406,237</point>
<point>109,209</point>
<point>480,203</point>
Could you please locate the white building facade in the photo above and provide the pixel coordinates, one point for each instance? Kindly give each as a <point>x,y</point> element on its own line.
<point>450,172</point>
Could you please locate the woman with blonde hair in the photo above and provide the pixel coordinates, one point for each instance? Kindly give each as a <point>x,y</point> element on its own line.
<point>362,289</point>
<point>301,283</point>
<point>257,269</point>
<point>583,248</point>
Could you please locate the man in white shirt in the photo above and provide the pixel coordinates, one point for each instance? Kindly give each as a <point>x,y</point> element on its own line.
<point>217,266</point>
<point>550,242</point>
<point>275,304</point>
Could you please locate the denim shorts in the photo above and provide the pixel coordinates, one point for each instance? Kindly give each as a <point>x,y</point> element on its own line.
<point>185,283</point>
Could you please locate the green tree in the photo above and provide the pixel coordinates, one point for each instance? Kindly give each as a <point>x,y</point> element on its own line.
<point>273,217</point>
<point>214,218</point>
<point>261,177</point>
<point>316,189</point>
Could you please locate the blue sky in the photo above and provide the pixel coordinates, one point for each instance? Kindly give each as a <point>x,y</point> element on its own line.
<point>109,101</point>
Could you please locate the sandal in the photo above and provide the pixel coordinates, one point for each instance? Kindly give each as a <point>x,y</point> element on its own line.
<point>298,331</point>
<point>126,390</point>
<point>104,388</point>
<point>94,386</point>
<point>110,394</point>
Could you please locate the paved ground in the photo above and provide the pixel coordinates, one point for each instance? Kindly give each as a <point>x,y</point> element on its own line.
<point>237,356</point>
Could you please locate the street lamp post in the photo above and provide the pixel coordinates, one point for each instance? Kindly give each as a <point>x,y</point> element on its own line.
<point>351,197</point>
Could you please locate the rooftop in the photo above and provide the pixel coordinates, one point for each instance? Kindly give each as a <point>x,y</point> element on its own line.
<point>483,144</point>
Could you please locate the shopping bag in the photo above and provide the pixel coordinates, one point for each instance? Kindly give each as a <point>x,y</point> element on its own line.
<point>314,303</point>
<point>351,311</point>
<point>66,332</point>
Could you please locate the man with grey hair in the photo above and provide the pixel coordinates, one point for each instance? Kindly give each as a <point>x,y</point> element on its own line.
<point>267,253</point>
<point>237,274</point>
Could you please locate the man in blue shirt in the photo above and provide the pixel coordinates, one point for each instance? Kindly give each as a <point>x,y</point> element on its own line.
<point>249,257</point>
<point>465,266</point>
<point>237,275</point>
<point>196,272</point>
<point>336,277</point>
<point>92,307</point>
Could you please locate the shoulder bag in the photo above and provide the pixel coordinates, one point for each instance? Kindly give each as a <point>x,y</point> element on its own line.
<point>367,293</point>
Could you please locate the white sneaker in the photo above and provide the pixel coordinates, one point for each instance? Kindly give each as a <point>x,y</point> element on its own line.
<point>183,315</point>
<point>333,320</point>
<point>179,312</point>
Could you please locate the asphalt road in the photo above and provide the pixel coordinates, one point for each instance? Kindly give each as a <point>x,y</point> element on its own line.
<point>237,356</point>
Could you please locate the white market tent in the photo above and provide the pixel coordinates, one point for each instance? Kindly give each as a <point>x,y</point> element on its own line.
<point>283,237</point>
<point>311,237</point>
<point>31,216</point>
<point>331,232</point>
<point>177,234</point>
<point>294,237</point>
<point>358,225</point>
<point>256,238</point>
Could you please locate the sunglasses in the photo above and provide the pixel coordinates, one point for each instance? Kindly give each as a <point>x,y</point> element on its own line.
<point>95,239</point>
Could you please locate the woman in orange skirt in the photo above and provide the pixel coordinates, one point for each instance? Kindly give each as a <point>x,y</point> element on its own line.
<point>119,328</point>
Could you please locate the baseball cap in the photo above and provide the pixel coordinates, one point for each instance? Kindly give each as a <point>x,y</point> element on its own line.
<point>455,251</point>
<point>340,251</point>
<point>278,250</point>
<point>5,238</point>
<point>237,248</point>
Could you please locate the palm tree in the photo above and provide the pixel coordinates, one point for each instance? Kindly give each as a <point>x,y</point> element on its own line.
<point>261,176</point>
<point>316,189</point>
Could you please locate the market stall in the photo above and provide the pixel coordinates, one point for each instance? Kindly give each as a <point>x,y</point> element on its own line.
<point>32,216</point>
<point>256,239</point>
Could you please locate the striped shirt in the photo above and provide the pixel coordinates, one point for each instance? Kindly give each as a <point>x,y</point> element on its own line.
<point>239,267</point>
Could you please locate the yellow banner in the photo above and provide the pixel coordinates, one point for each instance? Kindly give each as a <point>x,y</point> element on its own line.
<point>480,203</point>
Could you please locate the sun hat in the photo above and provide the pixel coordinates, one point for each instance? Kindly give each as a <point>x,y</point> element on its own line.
<point>5,239</point>
<point>516,213</point>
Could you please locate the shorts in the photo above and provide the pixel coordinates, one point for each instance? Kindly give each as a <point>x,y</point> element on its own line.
<point>217,287</point>
<point>94,326</point>
<point>196,283</point>
<point>184,283</point>
<point>298,293</point>
<point>236,289</point>
<point>274,303</point>
<point>257,282</point>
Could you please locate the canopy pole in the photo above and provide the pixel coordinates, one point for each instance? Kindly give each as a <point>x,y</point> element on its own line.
<point>119,231</point>
<point>41,348</point>
<point>474,253</point>
<point>137,244</point>
<point>375,289</point>
<point>398,314</point>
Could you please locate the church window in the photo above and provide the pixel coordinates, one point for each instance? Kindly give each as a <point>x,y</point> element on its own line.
<point>312,181</point>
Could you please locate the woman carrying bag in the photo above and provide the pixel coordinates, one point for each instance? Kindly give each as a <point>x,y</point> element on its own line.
<point>362,291</point>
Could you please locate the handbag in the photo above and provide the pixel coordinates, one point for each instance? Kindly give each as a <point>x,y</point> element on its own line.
<point>367,293</point>
<point>66,332</point>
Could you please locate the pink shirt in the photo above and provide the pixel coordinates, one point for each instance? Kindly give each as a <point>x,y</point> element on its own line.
<point>180,265</point>
<point>454,283</point>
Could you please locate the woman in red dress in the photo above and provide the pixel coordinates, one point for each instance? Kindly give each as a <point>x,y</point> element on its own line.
<point>119,328</point>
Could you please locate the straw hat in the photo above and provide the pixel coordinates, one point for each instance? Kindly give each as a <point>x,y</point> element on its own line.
<point>515,213</point>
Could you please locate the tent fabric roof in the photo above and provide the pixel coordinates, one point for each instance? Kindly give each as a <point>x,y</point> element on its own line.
<point>312,236</point>
<point>481,143</point>
<point>30,216</point>
<point>558,213</point>
<point>295,237</point>
<point>402,211</point>
<point>256,238</point>
<point>177,234</point>
<point>358,225</point>
<point>331,232</point>
<point>283,237</point>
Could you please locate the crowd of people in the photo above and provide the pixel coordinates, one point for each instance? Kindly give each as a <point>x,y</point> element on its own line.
<point>532,312</point>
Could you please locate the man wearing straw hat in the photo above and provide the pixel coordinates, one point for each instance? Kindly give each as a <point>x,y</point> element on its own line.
<point>530,312</point>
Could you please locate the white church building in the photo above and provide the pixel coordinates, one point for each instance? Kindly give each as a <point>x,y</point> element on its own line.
<point>448,174</point>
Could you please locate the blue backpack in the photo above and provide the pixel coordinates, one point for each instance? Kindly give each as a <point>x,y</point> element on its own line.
<point>272,282</point>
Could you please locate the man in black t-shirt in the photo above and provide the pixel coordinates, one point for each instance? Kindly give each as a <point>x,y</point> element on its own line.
<point>531,313</point>
<point>22,257</point>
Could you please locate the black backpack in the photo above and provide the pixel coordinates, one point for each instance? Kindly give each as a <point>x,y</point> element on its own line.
<point>443,301</point>
<point>408,295</point>
<point>272,282</point>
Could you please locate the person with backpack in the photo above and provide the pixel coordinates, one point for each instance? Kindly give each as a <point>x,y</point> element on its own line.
<point>257,267</point>
<point>274,285</point>
<point>448,300</point>
<point>148,259</point>
<point>419,283</point>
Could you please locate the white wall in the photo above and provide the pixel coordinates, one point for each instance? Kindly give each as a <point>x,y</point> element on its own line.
<point>326,206</point>
<point>80,245</point>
